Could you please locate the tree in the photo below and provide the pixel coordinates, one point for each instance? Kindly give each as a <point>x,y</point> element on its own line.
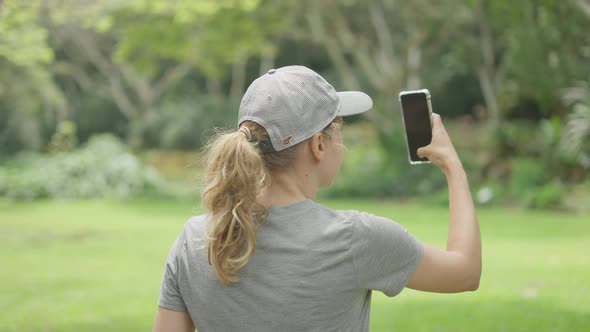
<point>533,50</point>
<point>576,133</point>
<point>26,86</point>
<point>385,44</point>
<point>133,52</point>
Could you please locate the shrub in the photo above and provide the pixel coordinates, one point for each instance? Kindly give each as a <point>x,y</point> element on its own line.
<point>531,184</point>
<point>368,171</point>
<point>527,175</point>
<point>181,124</point>
<point>549,195</point>
<point>102,168</point>
<point>576,139</point>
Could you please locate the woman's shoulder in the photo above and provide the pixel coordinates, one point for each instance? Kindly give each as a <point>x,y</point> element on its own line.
<point>349,214</point>
<point>193,228</point>
<point>362,221</point>
<point>196,221</point>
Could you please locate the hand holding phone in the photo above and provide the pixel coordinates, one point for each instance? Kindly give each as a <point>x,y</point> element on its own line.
<point>426,136</point>
<point>441,150</point>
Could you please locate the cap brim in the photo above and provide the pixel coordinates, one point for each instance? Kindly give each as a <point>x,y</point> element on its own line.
<point>354,102</point>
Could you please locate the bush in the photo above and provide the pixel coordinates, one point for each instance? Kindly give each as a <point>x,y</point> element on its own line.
<point>368,171</point>
<point>102,168</point>
<point>547,196</point>
<point>20,130</point>
<point>576,197</point>
<point>181,124</point>
<point>531,184</point>
<point>575,141</point>
<point>527,175</point>
<point>362,174</point>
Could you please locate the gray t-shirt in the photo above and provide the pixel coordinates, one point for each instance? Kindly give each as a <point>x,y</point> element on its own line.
<point>313,270</point>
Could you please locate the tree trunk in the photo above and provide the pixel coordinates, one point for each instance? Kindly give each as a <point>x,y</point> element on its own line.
<point>413,81</point>
<point>487,72</point>
<point>267,62</point>
<point>238,79</point>
<point>214,90</point>
<point>584,6</point>
<point>334,50</point>
<point>489,95</point>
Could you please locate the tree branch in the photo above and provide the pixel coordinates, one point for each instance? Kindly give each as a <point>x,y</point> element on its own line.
<point>335,52</point>
<point>170,76</point>
<point>386,51</point>
<point>449,28</point>
<point>81,77</point>
<point>137,82</point>
<point>488,71</point>
<point>238,77</point>
<point>89,45</point>
<point>121,99</point>
<point>359,48</point>
<point>584,6</point>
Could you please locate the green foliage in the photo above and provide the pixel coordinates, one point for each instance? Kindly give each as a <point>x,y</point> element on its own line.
<point>550,195</point>
<point>210,35</point>
<point>20,131</point>
<point>370,171</point>
<point>527,175</point>
<point>96,115</point>
<point>532,40</point>
<point>532,185</point>
<point>543,40</point>
<point>576,139</point>
<point>102,168</point>
<point>182,124</point>
<point>26,86</point>
<point>161,71</point>
<point>22,40</point>
<point>363,174</point>
<point>577,196</point>
<point>516,137</point>
<point>65,138</point>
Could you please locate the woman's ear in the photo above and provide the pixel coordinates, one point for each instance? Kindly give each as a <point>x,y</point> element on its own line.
<point>317,145</point>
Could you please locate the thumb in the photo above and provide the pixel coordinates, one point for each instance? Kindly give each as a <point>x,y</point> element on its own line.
<point>422,152</point>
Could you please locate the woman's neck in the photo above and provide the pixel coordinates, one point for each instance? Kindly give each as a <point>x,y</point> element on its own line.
<point>287,189</point>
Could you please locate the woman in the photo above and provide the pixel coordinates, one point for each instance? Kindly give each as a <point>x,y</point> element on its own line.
<point>267,257</point>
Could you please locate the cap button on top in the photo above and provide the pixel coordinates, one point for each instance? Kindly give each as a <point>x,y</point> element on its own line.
<point>272,71</point>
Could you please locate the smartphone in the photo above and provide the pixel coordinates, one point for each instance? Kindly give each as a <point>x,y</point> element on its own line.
<point>416,117</point>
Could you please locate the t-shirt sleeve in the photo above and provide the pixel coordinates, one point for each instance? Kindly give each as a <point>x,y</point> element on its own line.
<point>385,254</point>
<point>170,297</point>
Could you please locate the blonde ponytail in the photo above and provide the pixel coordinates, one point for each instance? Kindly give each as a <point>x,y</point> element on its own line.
<point>238,170</point>
<point>235,176</point>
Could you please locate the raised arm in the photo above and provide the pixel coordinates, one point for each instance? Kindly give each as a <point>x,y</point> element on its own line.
<point>458,268</point>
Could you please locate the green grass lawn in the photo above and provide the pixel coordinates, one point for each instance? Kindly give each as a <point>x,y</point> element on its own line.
<point>96,266</point>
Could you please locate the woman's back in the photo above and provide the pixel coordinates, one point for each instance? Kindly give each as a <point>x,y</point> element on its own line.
<point>313,270</point>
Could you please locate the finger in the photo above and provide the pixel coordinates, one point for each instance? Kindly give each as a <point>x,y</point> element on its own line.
<point>436,120</point>
<point>422,152</point>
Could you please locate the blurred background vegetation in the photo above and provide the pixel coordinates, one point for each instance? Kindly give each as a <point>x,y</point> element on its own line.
<point>114,98</point>
<point>105,105</point>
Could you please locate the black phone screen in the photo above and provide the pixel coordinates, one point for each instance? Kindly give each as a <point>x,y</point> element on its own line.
<point>417,122</point>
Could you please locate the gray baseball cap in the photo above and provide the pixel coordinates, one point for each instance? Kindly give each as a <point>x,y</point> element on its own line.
<point>293,103</point>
